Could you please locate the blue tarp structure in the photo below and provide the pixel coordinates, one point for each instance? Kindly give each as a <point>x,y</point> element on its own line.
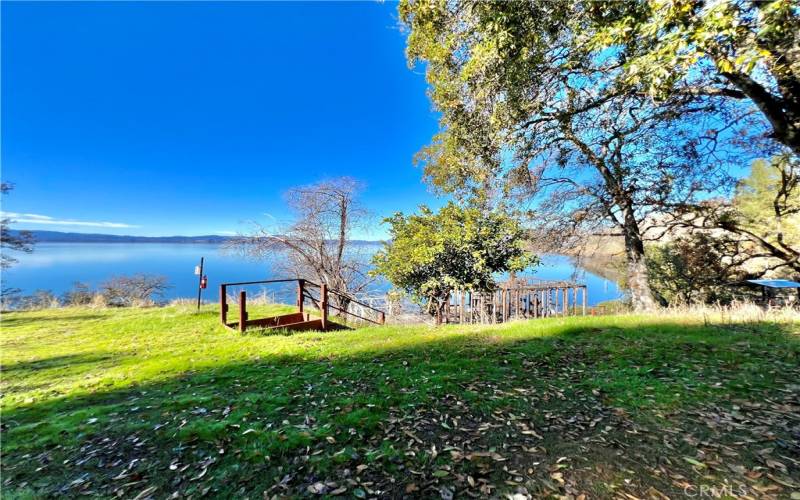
<point>774,283</point>
<point>773,292</point>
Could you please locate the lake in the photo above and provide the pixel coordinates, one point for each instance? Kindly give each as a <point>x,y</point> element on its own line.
<point>56,266</point>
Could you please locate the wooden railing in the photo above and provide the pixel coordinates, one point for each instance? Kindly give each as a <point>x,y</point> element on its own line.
<point>325,292</point>
<point>321,303</point>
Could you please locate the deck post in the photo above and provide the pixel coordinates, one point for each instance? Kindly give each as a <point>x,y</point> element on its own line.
<point>323,305</point>
<point>242,311</point>
<point>584,300</point>
<point>223,305</point>
<point>545,302</point>
<point>300,286</point>
<point>461,294</point>
<point>447,311</point>
<point>575,300</point>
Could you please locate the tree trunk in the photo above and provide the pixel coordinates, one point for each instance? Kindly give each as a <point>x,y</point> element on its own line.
<point>782,114</point>
<point>641,294</point>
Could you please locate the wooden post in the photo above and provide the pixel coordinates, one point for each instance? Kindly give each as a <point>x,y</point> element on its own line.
<point>223,305</point>
<point>542,309</point>
<point>323,305</point>
<point>575,301</point>
<point>242,311</point>
<point>527,304</point>
<point>585,291</point>
<point>544,303</point>
<point>462,293</point>
<point>447,311</point>
<point>300,286</point>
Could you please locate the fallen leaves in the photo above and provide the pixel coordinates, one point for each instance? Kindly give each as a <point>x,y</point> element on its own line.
<point>507,424</point>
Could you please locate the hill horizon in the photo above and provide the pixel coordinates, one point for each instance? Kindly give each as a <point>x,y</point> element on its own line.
<point>44,236</point>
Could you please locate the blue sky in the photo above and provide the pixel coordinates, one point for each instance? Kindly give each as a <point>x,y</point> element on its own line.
<point>192,118</point>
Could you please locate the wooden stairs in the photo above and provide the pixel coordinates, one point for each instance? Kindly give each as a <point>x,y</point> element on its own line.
<point>294,321</point>
<point>297,321</point>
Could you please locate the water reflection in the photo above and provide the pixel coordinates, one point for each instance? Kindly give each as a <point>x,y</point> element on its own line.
<point>56,266</point>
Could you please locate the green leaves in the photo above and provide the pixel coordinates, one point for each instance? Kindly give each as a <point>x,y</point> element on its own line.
<point>432,253</point>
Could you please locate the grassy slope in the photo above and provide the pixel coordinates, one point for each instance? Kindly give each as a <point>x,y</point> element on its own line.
<point>156,401</point>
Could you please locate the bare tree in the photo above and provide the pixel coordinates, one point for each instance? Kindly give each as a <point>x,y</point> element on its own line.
<point>611,167</point>
<point>22,241</point>
<point>317,242</point>
<point>139,289</point>
<point>764,213</point>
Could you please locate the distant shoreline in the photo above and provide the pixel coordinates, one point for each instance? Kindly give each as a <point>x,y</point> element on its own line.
<point>63,237</point>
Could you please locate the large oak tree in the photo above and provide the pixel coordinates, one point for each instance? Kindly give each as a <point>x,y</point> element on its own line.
<point>528,105</point>
<point>732,49</point>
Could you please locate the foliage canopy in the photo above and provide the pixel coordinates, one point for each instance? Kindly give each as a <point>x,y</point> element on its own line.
<point>431,253</point>
<point>531,107</point>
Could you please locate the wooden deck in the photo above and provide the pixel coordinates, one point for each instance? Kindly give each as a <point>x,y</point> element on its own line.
<point>516,300</point>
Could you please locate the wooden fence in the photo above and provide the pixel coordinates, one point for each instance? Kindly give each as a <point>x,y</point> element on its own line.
<point>516,301</point>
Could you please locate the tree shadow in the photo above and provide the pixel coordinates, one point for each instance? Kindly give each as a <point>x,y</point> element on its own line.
<point>25,320</point>
<point>479,405</point>
<point>69,360</point>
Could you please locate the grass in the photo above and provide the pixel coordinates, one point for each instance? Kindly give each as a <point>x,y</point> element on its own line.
<point>164,401</point>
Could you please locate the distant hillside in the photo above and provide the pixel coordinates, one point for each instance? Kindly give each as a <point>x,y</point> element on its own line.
<point>60,237</point>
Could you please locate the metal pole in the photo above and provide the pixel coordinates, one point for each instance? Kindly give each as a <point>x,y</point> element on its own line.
<point>200,284</point>
<point>323,299</point>
<point>223,305</point>
<point>242,311</point>
<point>300,284</point>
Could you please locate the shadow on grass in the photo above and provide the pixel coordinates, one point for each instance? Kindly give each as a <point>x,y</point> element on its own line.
<point>282,424</point>
<point>332,328</point>
<point>71,361</point>
<point>28,320</point>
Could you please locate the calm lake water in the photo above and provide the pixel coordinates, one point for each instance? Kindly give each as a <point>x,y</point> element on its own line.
<point>56,266</point>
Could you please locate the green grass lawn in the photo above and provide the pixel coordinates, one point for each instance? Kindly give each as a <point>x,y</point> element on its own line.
<point>166,402</point>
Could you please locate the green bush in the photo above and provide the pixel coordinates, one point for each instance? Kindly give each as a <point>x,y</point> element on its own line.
<point>696,269</point>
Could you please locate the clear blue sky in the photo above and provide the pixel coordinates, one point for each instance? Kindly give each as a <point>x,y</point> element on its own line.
<point>190,118</point>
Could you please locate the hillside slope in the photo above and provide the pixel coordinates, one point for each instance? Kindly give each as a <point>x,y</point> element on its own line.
<point>155,402</point>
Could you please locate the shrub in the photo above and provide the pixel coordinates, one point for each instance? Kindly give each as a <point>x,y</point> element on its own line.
<point>79,295</point>
<point>40,299</point>
<point>10,298</point>
<point>432,253</point>
<point>693,270</point>
<point>137,290</point>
